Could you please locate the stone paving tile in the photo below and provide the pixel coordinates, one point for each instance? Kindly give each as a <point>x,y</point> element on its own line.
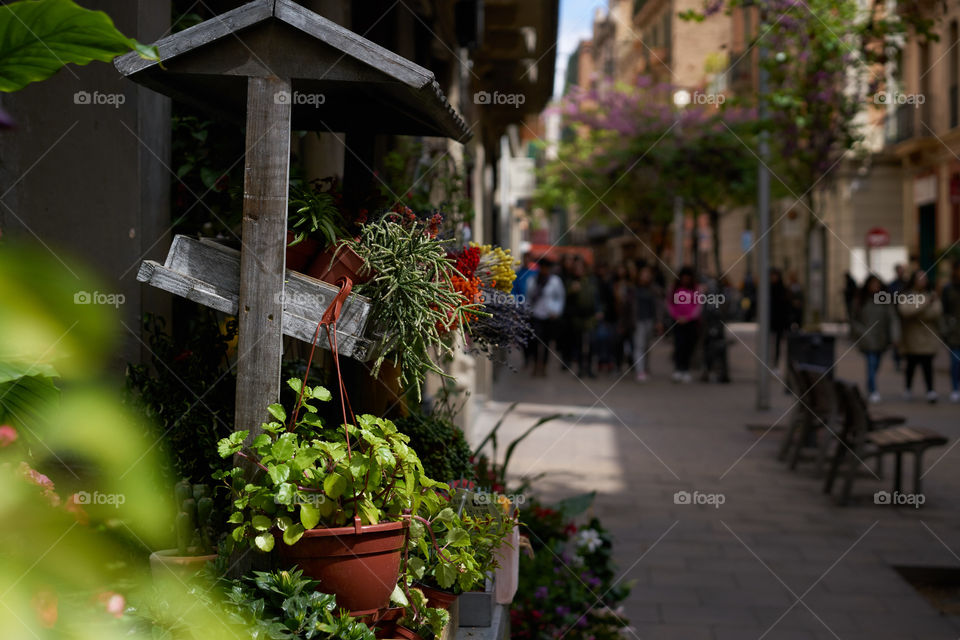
<point>705,572</point>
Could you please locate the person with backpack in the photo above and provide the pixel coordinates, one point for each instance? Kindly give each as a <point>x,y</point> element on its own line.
<point>920,310</point>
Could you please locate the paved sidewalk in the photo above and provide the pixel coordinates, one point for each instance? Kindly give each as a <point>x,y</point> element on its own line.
<point>777,559</point>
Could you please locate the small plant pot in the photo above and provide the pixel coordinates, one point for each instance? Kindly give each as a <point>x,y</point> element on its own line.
<point>437,598</point>
<point>361,569</point>
<point>400,631</point>
<point>338,261</point>
<point>300,255</point>
<point>166,564</point>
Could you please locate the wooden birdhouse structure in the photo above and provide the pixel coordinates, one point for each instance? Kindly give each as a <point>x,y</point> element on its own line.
<point>276,67</point>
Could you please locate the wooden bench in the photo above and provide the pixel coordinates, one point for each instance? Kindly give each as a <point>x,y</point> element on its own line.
<point>859,443</point>
<point>814,410</point>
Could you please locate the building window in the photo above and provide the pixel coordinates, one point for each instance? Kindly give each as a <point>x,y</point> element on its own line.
<point>954,74</point>
<point>924,60</point>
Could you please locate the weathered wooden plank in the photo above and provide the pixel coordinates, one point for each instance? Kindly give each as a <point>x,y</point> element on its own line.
<point>206,32</point>
<point>207,66</point>
<point>262,258</point>
<point>353,44</point>
<point>304,298</point>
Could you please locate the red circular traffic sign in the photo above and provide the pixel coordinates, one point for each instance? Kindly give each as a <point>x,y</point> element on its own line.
<point>878,237</point>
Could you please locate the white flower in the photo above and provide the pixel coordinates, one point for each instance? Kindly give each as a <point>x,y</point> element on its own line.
<point>589,539</point>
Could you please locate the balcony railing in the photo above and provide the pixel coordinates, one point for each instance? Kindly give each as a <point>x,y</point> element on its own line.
<point>901,126</point>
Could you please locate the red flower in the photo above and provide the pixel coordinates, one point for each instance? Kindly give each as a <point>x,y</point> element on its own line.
<point>8,435</point>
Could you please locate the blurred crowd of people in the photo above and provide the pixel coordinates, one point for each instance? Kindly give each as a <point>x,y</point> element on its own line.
<point>911,318</point>
<point>606,319</point>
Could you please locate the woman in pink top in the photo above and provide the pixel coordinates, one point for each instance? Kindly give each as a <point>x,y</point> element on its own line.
<point>684,305</point>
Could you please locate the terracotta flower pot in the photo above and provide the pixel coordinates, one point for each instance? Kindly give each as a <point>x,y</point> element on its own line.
<point>402,632</point>
<point>300,255</point>
<point>338,261</point>
<point>361,569</point>
<point>437,598</point>
<point>166,564</point>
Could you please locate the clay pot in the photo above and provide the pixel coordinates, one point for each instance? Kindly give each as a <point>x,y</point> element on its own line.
<point>437,598</point>
<point>360,565</point>
<point>166,564</point>
<point>300,255</point>
<point>338,261</point>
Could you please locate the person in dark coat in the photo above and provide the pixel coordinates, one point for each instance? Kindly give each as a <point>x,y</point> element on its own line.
<point>780,312</point>
<point>873,327</point>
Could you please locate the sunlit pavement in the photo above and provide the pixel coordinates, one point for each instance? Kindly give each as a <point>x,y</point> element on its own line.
<point>777,559</point>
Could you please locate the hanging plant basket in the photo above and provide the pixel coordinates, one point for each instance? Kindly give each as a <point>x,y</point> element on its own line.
<point>300,255</point>
<point>336,262</point>
<point>360,564</point>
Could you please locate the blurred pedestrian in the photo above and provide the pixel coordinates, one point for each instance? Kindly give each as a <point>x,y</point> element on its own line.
<point>648,318</point>
<point>796,296</point>
<point>525,275</point>
<point>683,305</point>
<point>624,291</point>
<point>604,338</point>
<point>920,310</point>
<point>716,313</point>
<point>849,293</point>
<point>582,309</point>
<point>779,312</point>
<point>565,345</point>
<point>748,301</point>
<point>898,284</point>
<point>950,327</point>
<point>545,296</point>
<point>874,326</point>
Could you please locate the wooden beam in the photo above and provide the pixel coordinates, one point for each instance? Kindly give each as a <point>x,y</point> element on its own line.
<point>262,258</point>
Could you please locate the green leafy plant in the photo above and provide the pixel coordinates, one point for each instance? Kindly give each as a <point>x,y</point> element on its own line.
<point>426,621</point>
<point>414,301</point>
<point>284,605</point>
<point>187,391</point>
<point>454,551</point>
<point>38,37</point>
<point>314,212</point>
<point>194,521</point>
<point>312,474</point>
<point>443,449</point>
<point>25,391</point>
<point>277,605</point>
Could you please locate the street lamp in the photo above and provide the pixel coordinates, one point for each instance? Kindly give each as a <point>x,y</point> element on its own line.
<point>681,98</point>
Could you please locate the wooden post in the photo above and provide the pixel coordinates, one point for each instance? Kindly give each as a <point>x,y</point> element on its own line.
<point>262,257</point>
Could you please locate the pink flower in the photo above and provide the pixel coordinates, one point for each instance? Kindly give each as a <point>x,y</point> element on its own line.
<point>8,435</point>
<point>113,602</point>
<point>42,481</point>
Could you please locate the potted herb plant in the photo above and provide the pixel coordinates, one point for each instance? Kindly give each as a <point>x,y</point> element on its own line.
<point>314,222</point>
<point>195,533</point>
<point>453,551</point>
<point>338,497</point>
<point>415,301</point>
